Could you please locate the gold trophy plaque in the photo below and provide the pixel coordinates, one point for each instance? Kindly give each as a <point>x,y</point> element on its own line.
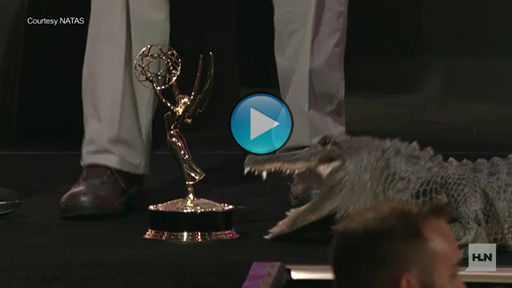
<point>187,219</point>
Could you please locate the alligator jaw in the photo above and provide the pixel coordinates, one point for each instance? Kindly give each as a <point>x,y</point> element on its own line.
<point>290,168</point>
<point>316,159</point>
<point>263,171</point>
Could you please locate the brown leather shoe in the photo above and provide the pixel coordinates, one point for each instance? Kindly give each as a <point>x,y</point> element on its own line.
<point>100,191</point>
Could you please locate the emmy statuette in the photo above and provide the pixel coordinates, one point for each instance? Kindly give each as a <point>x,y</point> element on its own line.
<point>188,219</point>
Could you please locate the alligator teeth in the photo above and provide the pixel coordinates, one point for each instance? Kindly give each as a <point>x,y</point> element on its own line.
<point>264,172</point>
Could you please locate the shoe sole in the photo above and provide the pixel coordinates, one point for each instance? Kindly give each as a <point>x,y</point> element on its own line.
<point>94,210</point>
<point>7,207</point>
<point>90,210</point>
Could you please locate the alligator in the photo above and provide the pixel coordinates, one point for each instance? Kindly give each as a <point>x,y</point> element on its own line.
<point>357,171</point>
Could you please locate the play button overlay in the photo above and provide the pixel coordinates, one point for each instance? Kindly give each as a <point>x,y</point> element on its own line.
<point>261,123</point>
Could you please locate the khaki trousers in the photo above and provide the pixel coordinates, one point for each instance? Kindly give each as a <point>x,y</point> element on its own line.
<point>118,110</point>
<point>310,37</point>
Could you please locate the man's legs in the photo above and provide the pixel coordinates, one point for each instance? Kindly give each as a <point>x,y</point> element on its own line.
<point>310,39</point>
<point>118,111</point>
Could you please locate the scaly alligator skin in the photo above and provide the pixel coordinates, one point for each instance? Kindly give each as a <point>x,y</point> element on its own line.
<point>358,171</point>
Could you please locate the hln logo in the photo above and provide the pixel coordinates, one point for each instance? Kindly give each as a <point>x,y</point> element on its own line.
<point>481,257</point>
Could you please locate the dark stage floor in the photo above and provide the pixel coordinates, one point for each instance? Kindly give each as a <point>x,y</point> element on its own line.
<point>40,250</point>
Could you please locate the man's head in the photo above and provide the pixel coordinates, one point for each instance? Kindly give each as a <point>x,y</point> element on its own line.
<point>392,245</point>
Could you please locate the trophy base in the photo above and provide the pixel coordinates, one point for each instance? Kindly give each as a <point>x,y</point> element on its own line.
<point>191,220</point>
<point>190,236</point>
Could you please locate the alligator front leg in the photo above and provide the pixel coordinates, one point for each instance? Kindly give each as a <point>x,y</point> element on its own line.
<point>468,203</point>
<point>295,218</point>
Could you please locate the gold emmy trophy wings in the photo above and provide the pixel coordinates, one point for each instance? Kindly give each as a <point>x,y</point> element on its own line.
<point>190,218</point>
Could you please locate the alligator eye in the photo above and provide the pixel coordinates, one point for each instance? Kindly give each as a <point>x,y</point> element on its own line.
<point>324,141</point>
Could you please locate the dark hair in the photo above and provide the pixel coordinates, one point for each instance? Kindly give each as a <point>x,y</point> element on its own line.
<point>374,246</point>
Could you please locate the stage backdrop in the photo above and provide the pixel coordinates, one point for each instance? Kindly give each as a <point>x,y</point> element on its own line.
<point>49,100</point>
<point>434,50</point>
<point>12,22</point>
